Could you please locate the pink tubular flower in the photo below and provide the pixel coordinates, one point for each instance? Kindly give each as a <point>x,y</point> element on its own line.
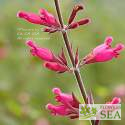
<point>43,53</point>
<point>104,52</point>
<point>57,110</point>
<point>55,66</point>
<point>115,100</point>
<point>30,17</point>
<point>45,18</point>
<point>52,62</point>
<point>48,18</point>
<point>68,105</point>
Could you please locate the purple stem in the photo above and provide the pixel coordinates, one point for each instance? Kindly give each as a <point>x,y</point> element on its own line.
<point>71,55</point>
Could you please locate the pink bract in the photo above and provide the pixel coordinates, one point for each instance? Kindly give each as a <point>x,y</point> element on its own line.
<point>55,66</point>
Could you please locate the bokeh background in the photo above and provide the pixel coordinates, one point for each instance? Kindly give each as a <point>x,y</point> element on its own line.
<point>25,86</point>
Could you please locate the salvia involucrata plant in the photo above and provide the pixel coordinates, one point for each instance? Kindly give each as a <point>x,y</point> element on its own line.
<point>68,104</point>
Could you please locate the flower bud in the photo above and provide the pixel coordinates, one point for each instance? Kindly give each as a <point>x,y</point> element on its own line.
<point>55,66</point>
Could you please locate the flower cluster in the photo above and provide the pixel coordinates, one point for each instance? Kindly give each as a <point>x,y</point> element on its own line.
<point>103,52</point>
<point>47,19</point>
<point>68,105</point>
<point>44,18</point>
<point>52,62</point>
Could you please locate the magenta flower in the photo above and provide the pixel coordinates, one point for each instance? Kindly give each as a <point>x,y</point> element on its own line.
<point>52,62</point>
<point>55,66</point>
<point>30,17</point>
<point>104,52</point>
<point>43,53</point>
<point>115,100</point>
<point>44,18</point>
<point>68,106</point>
<point>48,19</point>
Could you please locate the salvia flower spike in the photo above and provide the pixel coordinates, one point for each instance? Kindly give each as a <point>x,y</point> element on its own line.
<point>68,105</point>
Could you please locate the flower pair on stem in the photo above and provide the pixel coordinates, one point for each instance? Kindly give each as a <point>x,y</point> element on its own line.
<point>47,19</point>
<point>101,53</point>
<point>68,103</point>
<point>52,62</point>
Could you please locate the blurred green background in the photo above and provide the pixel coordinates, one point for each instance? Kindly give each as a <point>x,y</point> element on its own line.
<point>25,86</point>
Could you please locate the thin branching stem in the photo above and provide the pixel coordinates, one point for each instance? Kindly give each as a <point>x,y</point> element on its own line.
<point>71,55</point>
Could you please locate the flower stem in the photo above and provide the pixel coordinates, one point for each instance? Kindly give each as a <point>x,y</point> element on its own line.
<point>71,55</point>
